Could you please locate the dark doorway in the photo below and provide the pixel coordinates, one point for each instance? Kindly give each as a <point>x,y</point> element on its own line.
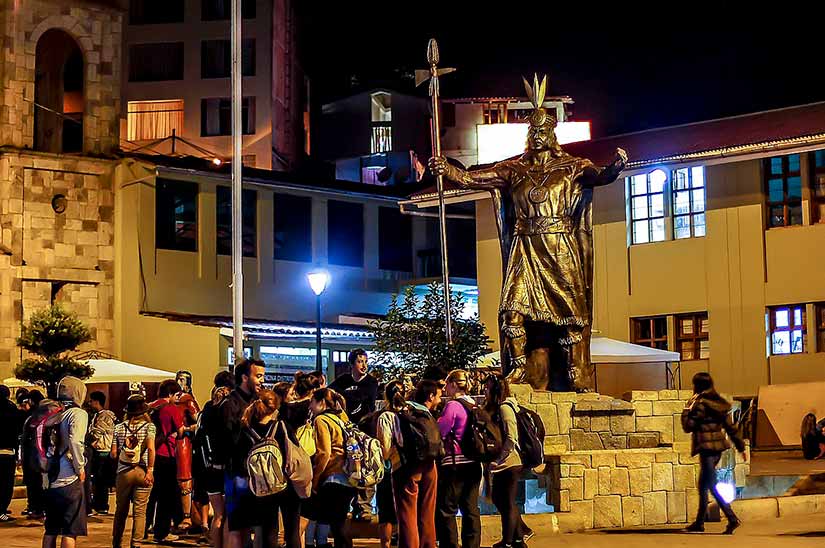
<point>58,93</point>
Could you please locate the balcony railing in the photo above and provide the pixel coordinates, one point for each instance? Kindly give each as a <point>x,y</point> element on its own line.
<point>381,139</point>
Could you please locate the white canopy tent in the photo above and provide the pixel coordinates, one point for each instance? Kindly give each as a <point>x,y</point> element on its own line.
<point>604,350</point>
<point>111,370</point>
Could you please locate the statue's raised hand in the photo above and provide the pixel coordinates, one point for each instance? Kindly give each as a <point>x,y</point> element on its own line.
<point>438,165</point>
<point>621,155</point>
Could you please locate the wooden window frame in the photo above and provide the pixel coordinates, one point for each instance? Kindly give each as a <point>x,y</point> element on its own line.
<point>790,328</point>
<point>786,203</point>
<point>649,342</point>
<point>694,339</point>
<point>819,310</point>
<point>817,174</point>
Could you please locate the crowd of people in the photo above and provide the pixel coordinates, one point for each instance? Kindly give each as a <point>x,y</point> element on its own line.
<point>293,464</point>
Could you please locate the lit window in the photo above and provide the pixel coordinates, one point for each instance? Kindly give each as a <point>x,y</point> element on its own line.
<point>818,185</point>
<point>688,202</point>
<point>783,186</point>
<point>650,331</point>
<point>147,120</point>
<point>692,336</point>
<point>495,113</point>
<point>787,328</point>
<point>230,354</point>
<point>647,206</point>
<point>381,117</point>
<point>820,327</point>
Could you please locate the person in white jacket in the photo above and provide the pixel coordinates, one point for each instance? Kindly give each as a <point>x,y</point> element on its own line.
<point>505,472</point>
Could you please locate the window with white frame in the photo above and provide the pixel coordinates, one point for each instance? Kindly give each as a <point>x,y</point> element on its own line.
<point>667,205</point>
<point>647,206</point>
<point>688,202</point>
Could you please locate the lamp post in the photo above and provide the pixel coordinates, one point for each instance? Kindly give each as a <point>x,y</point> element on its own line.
<point>318,281</point>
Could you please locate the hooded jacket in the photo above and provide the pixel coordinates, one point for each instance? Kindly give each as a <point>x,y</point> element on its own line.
<point>707,418</point>
<point>74,421</point>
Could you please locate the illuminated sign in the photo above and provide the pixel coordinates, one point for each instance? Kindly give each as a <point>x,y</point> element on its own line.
<point>497,142</point>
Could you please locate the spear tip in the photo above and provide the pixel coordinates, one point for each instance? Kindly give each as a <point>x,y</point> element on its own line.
<point>432,52</point>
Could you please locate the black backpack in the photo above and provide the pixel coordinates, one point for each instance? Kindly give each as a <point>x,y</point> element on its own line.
<point>481,441</point>
<point>422,439</point>
<point>530,437</point>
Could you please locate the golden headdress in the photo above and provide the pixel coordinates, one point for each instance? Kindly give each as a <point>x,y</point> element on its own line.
<point>536,93</point>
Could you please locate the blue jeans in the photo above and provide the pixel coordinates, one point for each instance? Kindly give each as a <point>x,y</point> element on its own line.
<point>707,483</point>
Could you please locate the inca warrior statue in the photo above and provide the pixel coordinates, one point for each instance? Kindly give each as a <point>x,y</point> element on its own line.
<point>543,205</point>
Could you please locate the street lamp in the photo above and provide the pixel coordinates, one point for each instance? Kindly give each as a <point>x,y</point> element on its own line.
<point>318,281</point>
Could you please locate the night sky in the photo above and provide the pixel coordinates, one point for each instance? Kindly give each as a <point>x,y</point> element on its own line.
<point>628,67</point>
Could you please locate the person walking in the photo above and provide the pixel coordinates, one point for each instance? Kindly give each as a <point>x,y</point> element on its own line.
<point>360,390</point>
<point>458,476</point>
<point>706,417</point>
<point>331,492</point>
<point>168,421</point>
<point>505,471</point>
<point>12,421</point>
<point>133,449</point>
<point>387,432</point>
<point>99,442</point>
<point>64,499</point>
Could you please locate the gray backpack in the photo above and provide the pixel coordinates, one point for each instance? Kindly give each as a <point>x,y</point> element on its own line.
<point>265,464</point>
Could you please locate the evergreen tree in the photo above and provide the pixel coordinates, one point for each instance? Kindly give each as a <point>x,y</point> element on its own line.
<point>412,335</point>
<point>50,334</point>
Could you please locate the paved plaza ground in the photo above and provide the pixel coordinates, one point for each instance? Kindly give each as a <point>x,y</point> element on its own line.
<point>775,533</point>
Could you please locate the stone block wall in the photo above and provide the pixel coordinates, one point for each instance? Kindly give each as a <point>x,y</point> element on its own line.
<point>47,256</point>
<point>97,28</point>
<point>620,463</point>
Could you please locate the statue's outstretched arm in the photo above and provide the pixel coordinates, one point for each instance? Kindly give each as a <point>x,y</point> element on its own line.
<point>593,176</point>
<point>480,179</point>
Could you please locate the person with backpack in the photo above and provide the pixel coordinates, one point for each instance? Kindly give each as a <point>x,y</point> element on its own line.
<point>63,438</point>
<point>418,442</point>
<point>462,424</point>
<point>505,471</point>
<point>360,390</point>
<point>99,442</point>
<point>133,449</point>
<point>331,489</point>
<point>32,476</point>
<point>12,420</point>
<point>382,424</point>
<point>706,417</point>
<point>210,456</point>
<point>168,421</point>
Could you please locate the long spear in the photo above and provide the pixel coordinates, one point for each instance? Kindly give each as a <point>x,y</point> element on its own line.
<point>432,75</point>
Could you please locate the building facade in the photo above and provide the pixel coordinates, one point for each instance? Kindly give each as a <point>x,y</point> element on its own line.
<point>61,78</point>
<point>177,79</point>
<point>707,245</point>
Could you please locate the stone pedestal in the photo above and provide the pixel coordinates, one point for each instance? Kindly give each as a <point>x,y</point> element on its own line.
<point>616,463</point>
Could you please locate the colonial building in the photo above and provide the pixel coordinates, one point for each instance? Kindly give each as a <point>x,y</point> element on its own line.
<point>176,81</point>
<point>60,75</point>
<point>709,245</point>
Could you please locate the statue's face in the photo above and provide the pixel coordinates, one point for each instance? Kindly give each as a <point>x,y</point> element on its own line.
<point>541,138</point>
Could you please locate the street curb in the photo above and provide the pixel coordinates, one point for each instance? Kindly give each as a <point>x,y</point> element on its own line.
<point>778,507</point>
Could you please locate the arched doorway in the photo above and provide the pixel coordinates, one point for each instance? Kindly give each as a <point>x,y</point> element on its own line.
<point>58,93</point>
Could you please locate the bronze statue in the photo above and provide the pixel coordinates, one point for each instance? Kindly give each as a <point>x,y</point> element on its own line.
<point>543,203</point>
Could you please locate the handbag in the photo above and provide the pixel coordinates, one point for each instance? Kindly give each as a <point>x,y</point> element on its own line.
<point>305,435</point>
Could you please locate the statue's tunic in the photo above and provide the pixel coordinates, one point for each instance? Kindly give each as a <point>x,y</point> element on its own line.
<point>545,278</point>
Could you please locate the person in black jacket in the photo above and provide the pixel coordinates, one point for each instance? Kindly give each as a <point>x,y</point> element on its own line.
<point>706,417</point>
<point>360,390</point>
<point>12,420</point>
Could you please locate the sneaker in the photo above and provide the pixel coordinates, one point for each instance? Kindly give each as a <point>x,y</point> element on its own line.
<point>732,526</point>
<point>695,527</point>
<point>5,518</point>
